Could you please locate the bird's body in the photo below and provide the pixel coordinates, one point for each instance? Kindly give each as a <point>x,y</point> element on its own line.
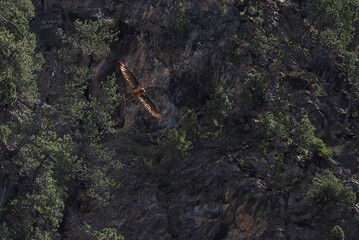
<point>138,91</point>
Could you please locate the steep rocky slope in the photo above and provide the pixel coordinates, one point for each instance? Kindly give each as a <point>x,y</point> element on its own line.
<point>213,193</point>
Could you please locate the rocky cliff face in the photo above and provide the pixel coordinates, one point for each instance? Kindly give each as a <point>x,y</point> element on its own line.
<point>212,194</point>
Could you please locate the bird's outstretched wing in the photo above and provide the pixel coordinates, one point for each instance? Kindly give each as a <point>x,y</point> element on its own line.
<point>139,92</point>
<point>128,75</point>
<point>149,105</point>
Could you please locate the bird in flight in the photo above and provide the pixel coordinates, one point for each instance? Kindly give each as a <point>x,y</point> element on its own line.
<point>138,91</point>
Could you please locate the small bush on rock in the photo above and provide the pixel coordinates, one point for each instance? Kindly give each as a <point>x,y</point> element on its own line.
<point>254,93</point>
<point>328,188</point>
<point>303,136</point>
<point>177,21</point>
<point>175,142</point>
<point>189,123</point>
<point>337,233</point>
<point>217,107</point>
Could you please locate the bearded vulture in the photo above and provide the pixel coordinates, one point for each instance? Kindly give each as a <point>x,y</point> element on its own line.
<point>138,91</point>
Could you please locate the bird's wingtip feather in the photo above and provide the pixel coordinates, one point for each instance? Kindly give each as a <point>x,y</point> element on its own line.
<point>121,62</point>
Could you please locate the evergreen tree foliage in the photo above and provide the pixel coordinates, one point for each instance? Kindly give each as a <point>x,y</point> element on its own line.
<point>177,21</point>
<point>254,93</point>
<point>335,20</point>
<point>175,142</point>
<point>337,233</point>
<point>92,116</point>
<point>279,175</point>
<point>269,129</point>
<point>104,234</point>
<point>303,132</point>
<point>304,138</point>
<point>277,127</point>
<point>274,126</point>
<point>189,123</point>
<point>93,37</point>
<point>18,61</point>
<point>45,146</point>
<point>329,188</point>
<point>217,106</point>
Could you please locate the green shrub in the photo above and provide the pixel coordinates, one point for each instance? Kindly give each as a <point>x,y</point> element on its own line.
<point>274,126</point>
<point>100,186</point>
<point>19,62</point>
<point>303,133</point>
<point>321,150</point>
<point>329,188</point>
<point>103,106</point>
<point>42,208</point>
<point>337,233</point>
<point>7,92</point>
<point>217,112</point>
<point>104,234</point>
<point>279,47</point>
<point>189,123</point>
<point>175,143</point>
<point>279,176</point>
<point>219,102</point>
<point>56,140</point>
<point>217,108</point>
<point>317,89</point>
<point>267,131</point>
<point>303,136</point>
<point>92,37</point>
<point>238,44</point>
<point>5,232</point>
<point>177,21</point>
<point>5,132</point>
<point>254,93</point>
<point>91,116</point>
<point>261,42</point>
<point>335,19</point>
